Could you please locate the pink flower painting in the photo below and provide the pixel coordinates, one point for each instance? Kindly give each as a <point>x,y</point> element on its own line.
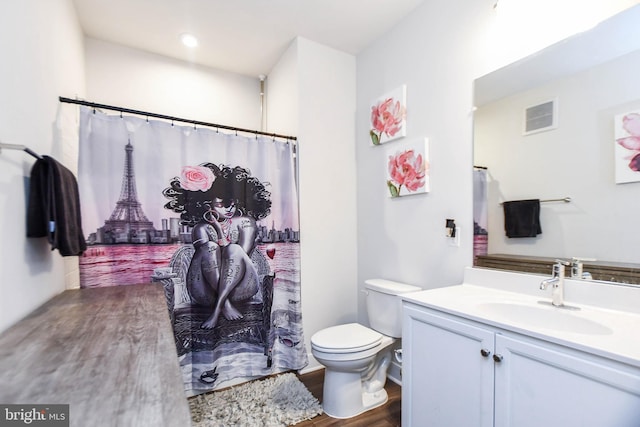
<point>408,170</point>
<point>388,117</point>
<point>627,132</point>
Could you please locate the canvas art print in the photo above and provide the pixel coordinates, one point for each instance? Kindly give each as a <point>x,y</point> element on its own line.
<point>408,169</point>
<point>627,147</point>
<point>388,116</point>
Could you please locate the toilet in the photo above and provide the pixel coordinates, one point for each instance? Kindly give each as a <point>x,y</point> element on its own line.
<point>355,357</point>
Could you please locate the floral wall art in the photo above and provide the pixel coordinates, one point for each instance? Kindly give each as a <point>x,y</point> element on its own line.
<point>388,116</point>
<point>627,147</point>
<point>408,169</point>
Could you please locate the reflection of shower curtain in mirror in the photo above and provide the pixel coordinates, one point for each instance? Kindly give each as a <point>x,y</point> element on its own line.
<point>213,219</point>
<point>480,235</point>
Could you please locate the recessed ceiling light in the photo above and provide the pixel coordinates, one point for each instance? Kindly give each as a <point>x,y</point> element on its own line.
<point>189,40</point>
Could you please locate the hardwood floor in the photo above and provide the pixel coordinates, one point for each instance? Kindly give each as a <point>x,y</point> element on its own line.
<point>387,415</point>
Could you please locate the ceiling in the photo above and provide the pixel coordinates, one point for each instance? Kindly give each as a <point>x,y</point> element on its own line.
<point>241,36</point>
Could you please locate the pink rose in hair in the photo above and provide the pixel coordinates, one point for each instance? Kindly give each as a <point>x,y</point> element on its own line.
<point>196,178</point>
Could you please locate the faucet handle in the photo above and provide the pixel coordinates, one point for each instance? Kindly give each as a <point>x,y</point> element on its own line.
<point>558,267</point>
<point>576,268</point>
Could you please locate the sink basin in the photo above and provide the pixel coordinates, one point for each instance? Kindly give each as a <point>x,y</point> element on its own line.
<point>543,316</point>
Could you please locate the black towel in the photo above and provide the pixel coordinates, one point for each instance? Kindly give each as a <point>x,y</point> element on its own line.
<point>522,218</point>
<point>54,207</point>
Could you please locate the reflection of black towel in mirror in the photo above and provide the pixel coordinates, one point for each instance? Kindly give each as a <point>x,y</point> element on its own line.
<point>522,218</point>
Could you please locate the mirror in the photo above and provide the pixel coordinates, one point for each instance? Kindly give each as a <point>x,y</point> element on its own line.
<point>577,91</point>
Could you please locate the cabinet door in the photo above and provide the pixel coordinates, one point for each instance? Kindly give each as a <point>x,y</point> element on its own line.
<point>447,382</point>
<point>539,384</point>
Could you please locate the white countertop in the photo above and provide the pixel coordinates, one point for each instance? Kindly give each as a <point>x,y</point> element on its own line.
<point>614,309</point>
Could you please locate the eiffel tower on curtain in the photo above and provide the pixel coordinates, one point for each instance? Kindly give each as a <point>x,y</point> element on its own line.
<point>128,223</point>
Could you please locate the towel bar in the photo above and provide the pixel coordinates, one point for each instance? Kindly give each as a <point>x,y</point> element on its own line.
<point>564,199</point>
<point>19,147</point>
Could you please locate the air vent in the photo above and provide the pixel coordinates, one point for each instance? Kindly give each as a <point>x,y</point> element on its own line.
<point>541,117</point>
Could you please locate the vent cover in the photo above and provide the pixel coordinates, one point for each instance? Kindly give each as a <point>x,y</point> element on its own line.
<point>541,117</point>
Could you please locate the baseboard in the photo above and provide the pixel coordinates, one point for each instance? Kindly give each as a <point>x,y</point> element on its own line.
<point>312,366</point>
<point>395,372</point>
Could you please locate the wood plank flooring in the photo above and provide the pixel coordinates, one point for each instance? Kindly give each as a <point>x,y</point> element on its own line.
<point>107,352</point>
<point>387,415</point>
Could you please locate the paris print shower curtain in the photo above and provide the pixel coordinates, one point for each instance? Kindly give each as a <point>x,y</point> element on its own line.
<point>480,209</point>
<point>213,219</point>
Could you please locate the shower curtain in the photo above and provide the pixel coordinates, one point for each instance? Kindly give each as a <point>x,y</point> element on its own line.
<point>480,214</point>
<point>213,218</point>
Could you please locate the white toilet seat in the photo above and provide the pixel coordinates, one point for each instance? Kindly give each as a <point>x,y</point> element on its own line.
<point>347,338</point>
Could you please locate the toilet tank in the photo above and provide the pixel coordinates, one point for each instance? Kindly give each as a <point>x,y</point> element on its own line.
<point>384,306</point>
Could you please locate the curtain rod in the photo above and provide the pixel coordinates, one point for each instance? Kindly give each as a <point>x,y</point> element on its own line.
<point>172,118</point>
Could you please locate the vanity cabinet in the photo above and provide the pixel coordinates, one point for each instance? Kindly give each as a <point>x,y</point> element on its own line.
<point>458,372</point>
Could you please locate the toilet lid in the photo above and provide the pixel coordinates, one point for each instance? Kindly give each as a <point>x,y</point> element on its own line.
<point>348,338</point>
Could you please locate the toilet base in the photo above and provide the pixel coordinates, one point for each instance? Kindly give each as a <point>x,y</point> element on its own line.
<point>351,400</point>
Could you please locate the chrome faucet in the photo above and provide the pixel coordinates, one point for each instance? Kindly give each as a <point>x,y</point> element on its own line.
<point>557,281</point>
<point>577,269</point>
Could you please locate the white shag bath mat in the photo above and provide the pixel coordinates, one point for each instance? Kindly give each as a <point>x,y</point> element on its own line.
<point>276,401</point>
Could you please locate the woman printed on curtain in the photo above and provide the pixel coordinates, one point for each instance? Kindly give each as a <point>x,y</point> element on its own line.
<point>222,205</point>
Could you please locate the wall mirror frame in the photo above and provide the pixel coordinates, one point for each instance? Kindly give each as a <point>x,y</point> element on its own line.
<point>593,77</point>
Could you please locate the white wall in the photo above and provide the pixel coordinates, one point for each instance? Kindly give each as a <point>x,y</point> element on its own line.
<point>131,78</point>
<point>437,52</point>
<point>434,52</point>
<point>312,95</point>
<point>521,27</point>
<point>42,58</point>
<point>282,94</point>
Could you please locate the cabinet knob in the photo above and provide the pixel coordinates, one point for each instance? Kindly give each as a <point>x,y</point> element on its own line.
<point>484,352</point>
<point>497,358</point>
